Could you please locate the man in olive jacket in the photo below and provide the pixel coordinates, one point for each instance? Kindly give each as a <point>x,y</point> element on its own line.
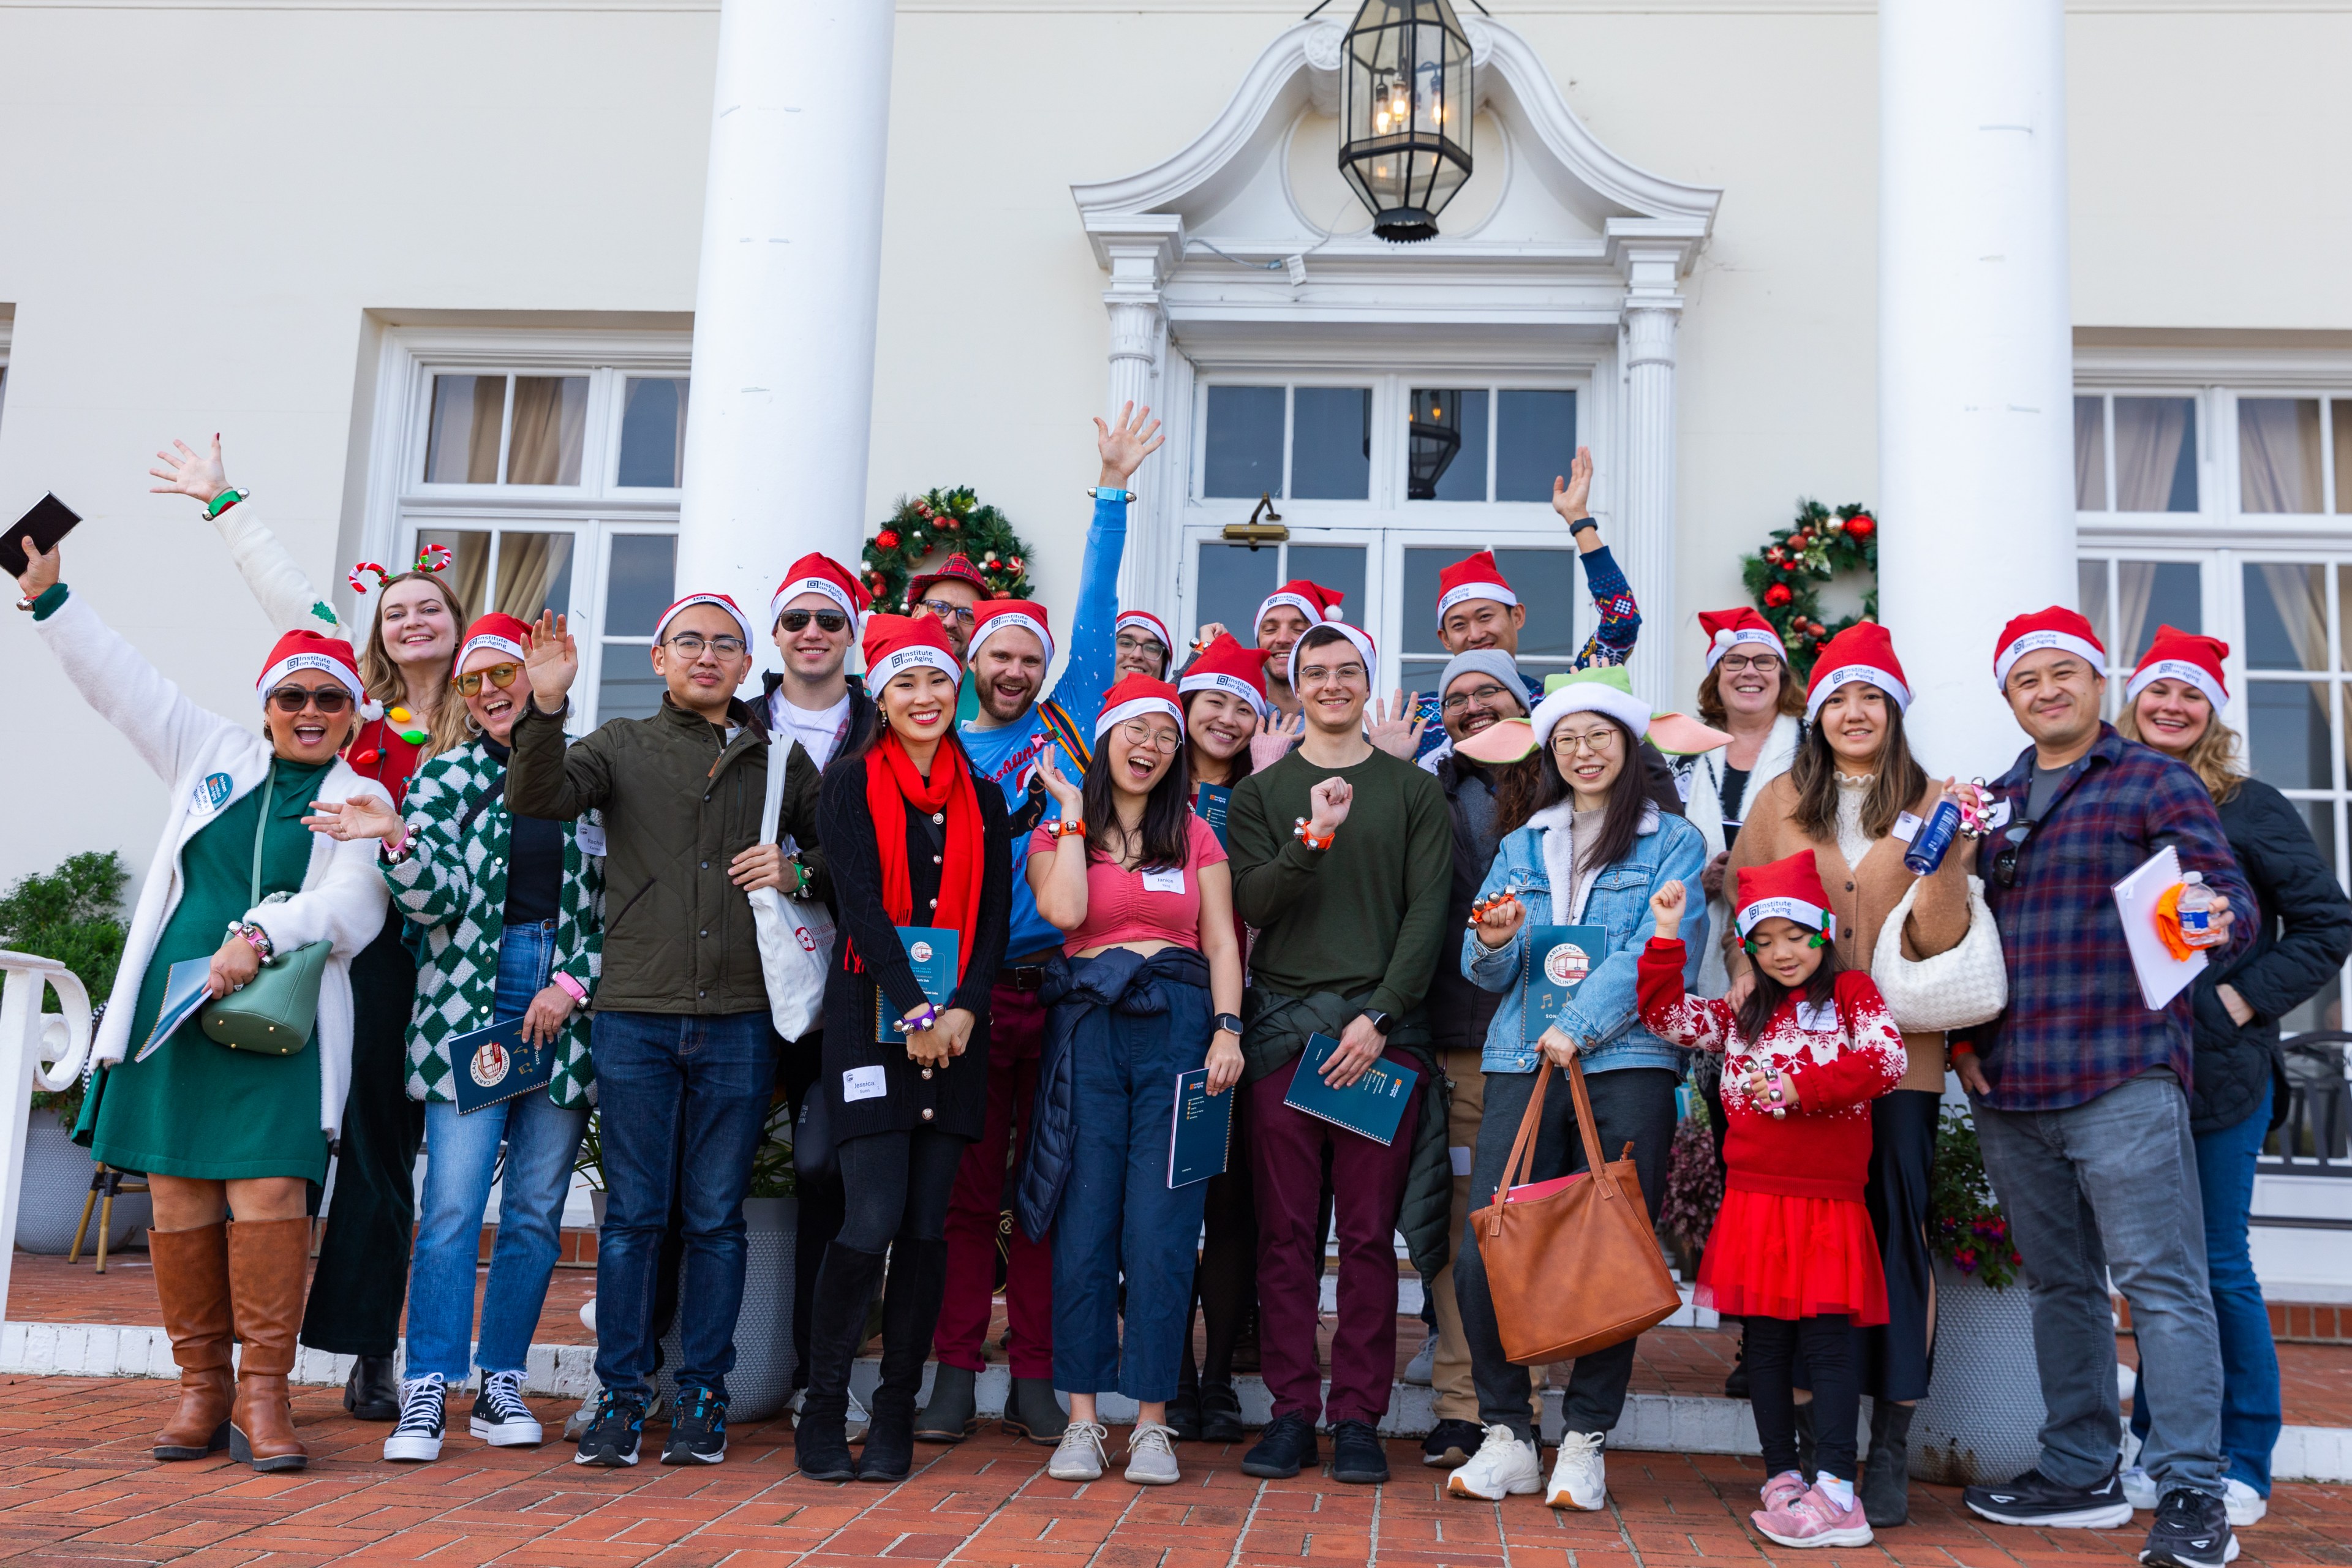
<point>684,1050</point>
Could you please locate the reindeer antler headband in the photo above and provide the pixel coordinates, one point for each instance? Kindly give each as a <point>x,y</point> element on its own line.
<point>432,558</point>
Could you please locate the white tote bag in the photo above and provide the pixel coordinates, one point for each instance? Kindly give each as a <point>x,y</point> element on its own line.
<point>1953,990</point>
<point>795,935</point>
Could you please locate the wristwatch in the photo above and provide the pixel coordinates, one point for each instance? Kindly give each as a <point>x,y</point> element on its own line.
<point>1229,1023</point>
<point>1580,525</point>
<point>1376,1018</point>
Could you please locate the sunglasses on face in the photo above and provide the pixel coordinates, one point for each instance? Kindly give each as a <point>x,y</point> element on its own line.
<point>499,675</point>
<point>949,610</point>
<point>2004,863</point>
<point>325,698</point>
<point>691,644</point>
<point>826,620</point>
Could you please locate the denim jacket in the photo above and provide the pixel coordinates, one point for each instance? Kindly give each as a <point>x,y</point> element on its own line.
<point>1605,1017</point>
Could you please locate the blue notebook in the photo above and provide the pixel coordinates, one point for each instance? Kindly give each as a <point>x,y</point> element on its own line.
<point>931,954</point>
<point>1201,1139</point>
<point>1557,960</point>
<point>495,1064</point>
<point>1372,1105</point>
<point>185,994</point>
<point>1209,801</point>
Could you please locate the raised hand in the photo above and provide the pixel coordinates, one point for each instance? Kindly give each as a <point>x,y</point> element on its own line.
<point>551,654</point>
<point>1498,919</point>
<point>40,572</point>
<point>190,472</point>
<point>362,817</point>
<point>1332,797</point>
<point>1125,446</point>
<point>1069,796</point>
<point>1397,733</point>
<point>1210,631</point>
<point>1667,905</point>
<point>1273,736</point>
<point>1571,494</point>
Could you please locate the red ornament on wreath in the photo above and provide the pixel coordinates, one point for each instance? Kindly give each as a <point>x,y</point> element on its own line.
<point>1785,577</point>
<point>1778,594</point>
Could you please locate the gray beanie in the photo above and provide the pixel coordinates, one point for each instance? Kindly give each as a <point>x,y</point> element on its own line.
<point>1492,661</point>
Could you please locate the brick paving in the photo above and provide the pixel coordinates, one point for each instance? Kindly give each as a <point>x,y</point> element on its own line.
<point>78,1487</point>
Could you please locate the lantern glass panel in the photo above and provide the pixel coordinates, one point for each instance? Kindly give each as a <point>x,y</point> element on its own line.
<point>1408,96</point>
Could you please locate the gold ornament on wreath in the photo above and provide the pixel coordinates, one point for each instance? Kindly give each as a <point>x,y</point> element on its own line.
<point>1785,577</point>
<point>927,529</point>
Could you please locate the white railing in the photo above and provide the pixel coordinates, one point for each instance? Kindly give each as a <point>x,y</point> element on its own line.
<point>47,1048</point>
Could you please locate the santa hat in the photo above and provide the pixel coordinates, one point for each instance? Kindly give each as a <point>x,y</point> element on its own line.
<point>819,574</point>
<point>1002,615</point>
<point>1226,666</point>
<point>1312,600</point>
<point>721,600</point>
<point>1146,622</point>
<point>1862,652</point>
<point>309,650</point>
<point>2057,627</point>
<point>1361,639</point>
<point>497,631</point>
<point>957,567</point>
<point>1134,696</point>
<point>1788,889</point>
<point>1602,689</point>
<point>896,644</point>
<point>1472,577</point>
<point>1725,629</point>
<point>2176,654</point>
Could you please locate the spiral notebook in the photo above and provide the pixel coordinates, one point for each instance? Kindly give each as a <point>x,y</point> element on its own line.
<point>1201,1140</point>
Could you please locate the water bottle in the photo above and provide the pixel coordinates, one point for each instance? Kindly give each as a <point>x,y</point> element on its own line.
<point>1927,845</point>
<point>2195,911</point>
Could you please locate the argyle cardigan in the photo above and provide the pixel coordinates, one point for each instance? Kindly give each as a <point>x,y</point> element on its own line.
<point>457,890</point>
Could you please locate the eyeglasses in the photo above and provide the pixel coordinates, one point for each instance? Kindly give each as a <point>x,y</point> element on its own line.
<point>826,620</point>
<point>1762,663</point>
<point>325,698</point>
<point>1339,672</point>
<point>499,675</point>
<point>1136,642</point>
<point>1461,699</point>
<point>691,644</point>
<point>2004,863</point>
<point>1599,742</point>
<point>949,610</point>
<point>1139,734</point>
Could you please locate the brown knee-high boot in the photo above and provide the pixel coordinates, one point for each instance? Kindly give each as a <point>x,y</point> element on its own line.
<point>192,1280</point>
<point>268,1266</point>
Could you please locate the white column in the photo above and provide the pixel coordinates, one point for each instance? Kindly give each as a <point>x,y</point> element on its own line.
<point>1644,536</point>
<point>1138,252</point>
<point>785,301</point>
<point>1975,353</point>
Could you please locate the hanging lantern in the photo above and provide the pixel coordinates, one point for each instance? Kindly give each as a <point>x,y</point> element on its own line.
<point>1407,95</point>
<point>1433,440</point>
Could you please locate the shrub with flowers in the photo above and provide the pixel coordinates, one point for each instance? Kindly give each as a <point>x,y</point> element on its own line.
<point>1965,1225</point>
<point>943,523</point>
<point>1693,1180</point>
<point>1785,577</point>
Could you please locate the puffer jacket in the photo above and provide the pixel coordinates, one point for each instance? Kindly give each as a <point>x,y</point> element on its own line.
<point>2301,937</point>
<point>1081,995</point>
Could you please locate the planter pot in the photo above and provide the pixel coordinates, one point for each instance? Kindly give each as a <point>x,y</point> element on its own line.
<point>1981,1420</point>
<point>57,1181</point>
<point>761,1384</point>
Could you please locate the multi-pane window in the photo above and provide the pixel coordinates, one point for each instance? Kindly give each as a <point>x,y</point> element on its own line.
<point>1487,444</point>
<point>1234,580</point>
<point>1308,443</point>
<point>2134,454</point>
<point>2291,454</point>
<point>1543,580</point>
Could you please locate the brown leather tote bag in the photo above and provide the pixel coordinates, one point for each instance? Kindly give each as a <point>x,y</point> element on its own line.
<point>1572,1266</point>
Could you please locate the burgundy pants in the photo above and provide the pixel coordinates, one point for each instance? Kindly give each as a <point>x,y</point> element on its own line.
<point>1368,1182</point>
<point>1016,1033</point>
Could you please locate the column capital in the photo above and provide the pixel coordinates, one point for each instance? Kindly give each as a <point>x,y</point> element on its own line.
<point>1654,254</point>
<point>1136,246</point>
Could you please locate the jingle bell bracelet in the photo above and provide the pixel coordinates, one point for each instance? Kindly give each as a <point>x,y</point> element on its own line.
<point>1972,812</point>
<point>1483,907</point>
<point>1299,830</point>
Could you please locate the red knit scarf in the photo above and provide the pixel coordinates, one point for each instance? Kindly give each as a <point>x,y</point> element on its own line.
<point>892,785</point>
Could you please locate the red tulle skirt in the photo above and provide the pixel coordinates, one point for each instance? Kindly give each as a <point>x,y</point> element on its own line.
<point>1773,1256</point>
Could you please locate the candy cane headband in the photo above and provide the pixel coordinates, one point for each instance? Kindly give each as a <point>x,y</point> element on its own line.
<point>434,558</point>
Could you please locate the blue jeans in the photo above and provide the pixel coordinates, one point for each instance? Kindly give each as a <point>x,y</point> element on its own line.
<point>682,1103</point>
<point>1119,1216</point>
<point>2113,1182</point>
<point>541,1141</point>
<point>2252,1413</point>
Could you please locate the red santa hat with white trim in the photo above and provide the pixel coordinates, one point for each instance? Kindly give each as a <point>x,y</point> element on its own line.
<point>820,573</point>
<point>896,644</point>
<point>1312,600</point>
<point>1362,638</point>
<point>2176,654</point>
<point>1790,890</point>
<point>1227,666</point>
<point>720,601</point>
<point>994,616</point>
<point>497,631</point>
<point>1144,621</point>
<point>309,650</point>
<point>2057,627</point>
<point>1132,696</point>
<point>1472,577</point>
<point>1862,652</point>
<point>1726,629</point>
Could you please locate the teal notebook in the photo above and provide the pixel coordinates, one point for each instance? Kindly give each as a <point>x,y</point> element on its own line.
<point>1210,800</point>
<point>1372,1105</point>
<point>495,1064</point>
<point>1557,960</point>
<point>185,992</point>
<point>1201,1139</point>
<point>931,954</point>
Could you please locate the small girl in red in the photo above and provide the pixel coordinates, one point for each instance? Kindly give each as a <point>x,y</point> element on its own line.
<point>1792,1251</point>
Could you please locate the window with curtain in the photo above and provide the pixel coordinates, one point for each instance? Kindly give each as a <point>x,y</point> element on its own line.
<point>2135,453</point>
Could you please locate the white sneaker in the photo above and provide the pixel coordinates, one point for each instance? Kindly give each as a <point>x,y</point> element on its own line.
<point>1079,1454</point>
<point>1151,1455</point>
<point>423,1414</point>
<point>1503,1467</point>
<point>2246,1505</point>
<point>2139,1490</point>
<point>1579,1480</point>
<point>1422,1367</point>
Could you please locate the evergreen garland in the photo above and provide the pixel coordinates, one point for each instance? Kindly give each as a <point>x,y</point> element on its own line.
<point>1785,577</point>
<point>945,522</point>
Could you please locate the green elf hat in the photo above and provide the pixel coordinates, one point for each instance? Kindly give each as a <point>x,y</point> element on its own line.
<point>1606,689</point>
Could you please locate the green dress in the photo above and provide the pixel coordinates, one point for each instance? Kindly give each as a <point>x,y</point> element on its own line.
<point>196,1108</point>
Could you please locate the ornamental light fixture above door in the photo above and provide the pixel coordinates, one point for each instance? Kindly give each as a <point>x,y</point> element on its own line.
<point>1407,97</point>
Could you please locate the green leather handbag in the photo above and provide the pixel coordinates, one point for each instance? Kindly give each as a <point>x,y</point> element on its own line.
<point>278,1010</point>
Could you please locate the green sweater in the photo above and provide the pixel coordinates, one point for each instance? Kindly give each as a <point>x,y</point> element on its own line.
<point>1367,914</point>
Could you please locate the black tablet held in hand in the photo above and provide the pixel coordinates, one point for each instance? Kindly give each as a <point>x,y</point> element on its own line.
<point>36,533</point>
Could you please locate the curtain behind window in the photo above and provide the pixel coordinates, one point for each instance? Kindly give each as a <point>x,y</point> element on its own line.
<point>550,420</point>
<point>2148,435</point>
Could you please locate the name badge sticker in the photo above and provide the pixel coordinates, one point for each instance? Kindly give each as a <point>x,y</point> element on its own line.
<point>589,835</point>
<point>863,1083</point>
<point>1998,816</point>
<point>212,793</point>
<point>1908,825</point>
<point>1170,879</point>
<point>1817,1020</point>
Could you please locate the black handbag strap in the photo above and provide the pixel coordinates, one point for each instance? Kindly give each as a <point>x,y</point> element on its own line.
<point>495,790</point>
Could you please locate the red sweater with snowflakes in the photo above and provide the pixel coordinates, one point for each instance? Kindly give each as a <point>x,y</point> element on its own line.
<point>1847,1057</point>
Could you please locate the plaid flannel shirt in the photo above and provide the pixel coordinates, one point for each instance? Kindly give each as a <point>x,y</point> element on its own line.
<point>2076,1024</point>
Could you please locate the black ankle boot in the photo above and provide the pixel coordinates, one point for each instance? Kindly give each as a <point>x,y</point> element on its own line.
<point>1221,1414</point>
<point>372,1391</point>
<point>953,1413</point>
<point>1031,1410</point>
<point>836,1327</point>
<point>1886,1487</point>
<point>911,1310</point>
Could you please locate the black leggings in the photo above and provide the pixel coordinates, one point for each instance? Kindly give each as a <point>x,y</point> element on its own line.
<point>1828,1343</point>
<point>896,1187</point>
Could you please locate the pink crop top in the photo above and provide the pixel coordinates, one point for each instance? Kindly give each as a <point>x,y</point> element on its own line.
<point>1120,908</point>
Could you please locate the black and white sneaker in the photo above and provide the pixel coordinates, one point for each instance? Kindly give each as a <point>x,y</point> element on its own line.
<point>423,1417</point>
<point>698,1430</point>
<point>2192,1531</point>
<point>2032,1498</point>
<point>501,1418</point>
<point>610,1439</point>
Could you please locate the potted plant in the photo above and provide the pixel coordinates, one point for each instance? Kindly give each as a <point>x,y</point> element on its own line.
<point>1694,1189</point>
<point>1981,1420</point>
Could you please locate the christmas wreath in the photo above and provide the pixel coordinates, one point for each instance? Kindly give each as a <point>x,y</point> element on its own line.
<point>1785,577</point>
<point>944,522</point>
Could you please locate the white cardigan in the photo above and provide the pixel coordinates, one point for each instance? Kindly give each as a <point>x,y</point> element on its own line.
<point>1703,807</point>
<point>210,763</point>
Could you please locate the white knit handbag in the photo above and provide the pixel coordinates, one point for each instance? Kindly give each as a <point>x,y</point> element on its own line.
<point>1953,990</point>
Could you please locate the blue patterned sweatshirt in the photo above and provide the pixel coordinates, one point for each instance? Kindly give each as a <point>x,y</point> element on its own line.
<point>1611,642</point>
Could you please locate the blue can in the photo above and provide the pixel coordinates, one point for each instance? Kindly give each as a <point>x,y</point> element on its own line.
<point>1928,844</point>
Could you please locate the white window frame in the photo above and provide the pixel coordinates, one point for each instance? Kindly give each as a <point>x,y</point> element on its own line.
<point>8,334</point>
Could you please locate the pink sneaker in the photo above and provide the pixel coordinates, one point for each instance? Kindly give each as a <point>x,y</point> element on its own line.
<point>1811,1519</point>
<point>1782,1489</point>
